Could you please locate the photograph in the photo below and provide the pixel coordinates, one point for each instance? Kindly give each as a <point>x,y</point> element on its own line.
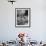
<point>22,17</point>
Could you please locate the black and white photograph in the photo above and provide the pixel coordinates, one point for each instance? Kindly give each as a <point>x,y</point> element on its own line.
<point>22,17</point>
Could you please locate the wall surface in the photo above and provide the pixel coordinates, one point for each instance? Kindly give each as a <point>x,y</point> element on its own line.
<point>8,31</point>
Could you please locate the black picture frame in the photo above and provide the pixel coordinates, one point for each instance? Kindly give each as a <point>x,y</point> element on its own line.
<point>27,14</point>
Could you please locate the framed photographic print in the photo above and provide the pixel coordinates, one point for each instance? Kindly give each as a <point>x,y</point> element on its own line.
<point>22,17</point>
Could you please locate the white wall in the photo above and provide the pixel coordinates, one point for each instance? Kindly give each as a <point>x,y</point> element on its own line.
<point>8,31</point>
